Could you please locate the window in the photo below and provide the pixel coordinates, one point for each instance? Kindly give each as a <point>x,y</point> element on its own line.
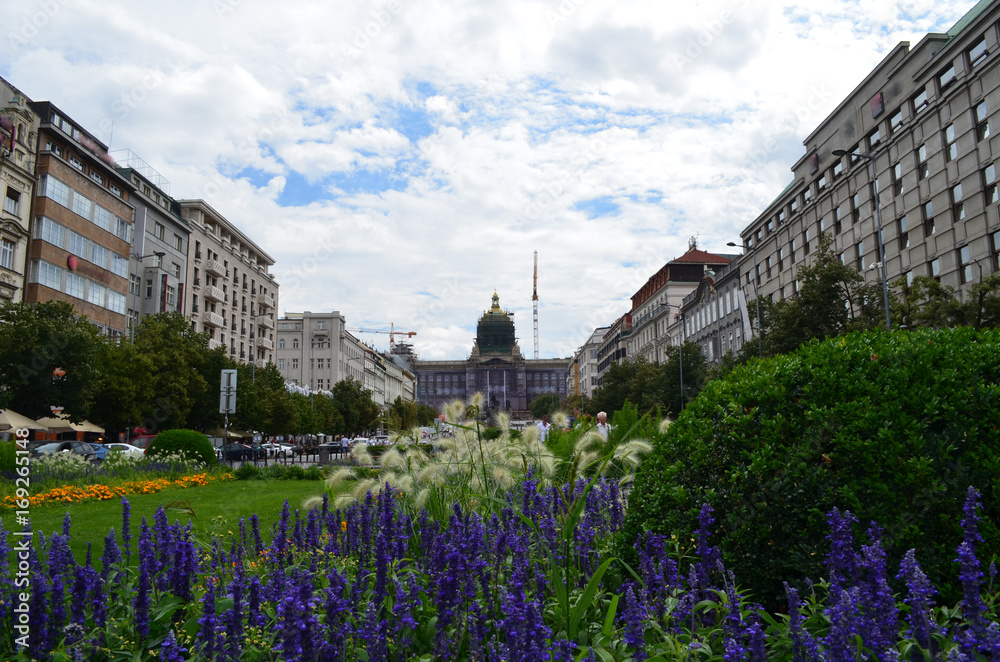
<point>781,258</point>
<point>946,77</point>
<point>56,190</point>
<point>178,242</point>
<point>859,251</point>
<point>74,285</point>
<point>794,248</point>
<point>795,205</point>
<point>170,295</point>
<point>119,265</point>
<point>836,220</point>
<point>116,302</point>
<point>295,364</point>
<point>175,270</point>
<point>99,255</point>
<point>103,218</point>
<point>12,201</point>
<point>923,169</point>
<point>281,364</point>
<point>805,241</point>
<point>965,260</point>
<point>78,245</point>
<point>134,283</point>
<point>838,168</point>
<point>873,138</point>
<point>158,231</point>
<point>76,163</point>
<point>157,262</point>
<point>978,53</point>
<point>767,263</point>
<point>904,235</point>
<point>919,101</point>
<point>149,288</point>
<point>770,227</point>
<point>295,343</point>
<point>855,208</point>
<point>320,326</point>
<point>982,121</point>
<point>928,218</point>
<point>48,230</point>
<point>951,141</point>
<point>897,179</point>
<point>97,294</point>
<point>97,178</point>
<point>956,200</point>
<point>990,184</point>
<point>821,183</point>
<point>781,217</point>
<point>996,250</point>
<point>935,267</point>
<point>6,254</point>
<point>896,121</point>
<point>47,274</point>
<point>806,195</point>
<point>123,229</point>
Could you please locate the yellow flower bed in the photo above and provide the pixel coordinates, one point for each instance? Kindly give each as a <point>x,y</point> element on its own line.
<point>73,494</point>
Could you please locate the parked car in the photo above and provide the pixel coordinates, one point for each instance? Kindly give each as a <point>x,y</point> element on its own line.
<point>125,449</point>
<point>237,452</point>
<point>102,451</point>
<point>80,448</point>
<point>142,441</point>
<point>275,450</point>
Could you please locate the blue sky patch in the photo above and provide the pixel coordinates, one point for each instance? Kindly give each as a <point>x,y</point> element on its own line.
<point>597,207</point>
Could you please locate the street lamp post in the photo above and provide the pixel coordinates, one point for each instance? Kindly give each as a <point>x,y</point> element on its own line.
<point>878,215</point>
<point>756,294</point>
<point>135,294</point>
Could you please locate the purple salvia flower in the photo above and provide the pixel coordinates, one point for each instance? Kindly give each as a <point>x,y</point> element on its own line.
<point>65,525</point>
<point>171,650</point>
<point>141,600</point>
<point>258,544</point>
<point>112,555</point>
<point>634,631</point>
<point>126,530</point>
<point>39,638</point>
<point>78,603</point>
<point>920,597</point>
<point>842,562</point>
<point>843,614</point>
<point>878,601</point>
<point>57,602</point>
<point>234,622</point>
<point>254,617</point>
<point>209,635</point>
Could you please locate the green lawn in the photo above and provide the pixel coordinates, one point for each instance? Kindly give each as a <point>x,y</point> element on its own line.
<point>91,521</point>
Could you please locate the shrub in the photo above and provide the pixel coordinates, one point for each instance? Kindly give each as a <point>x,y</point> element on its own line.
<point>314,473</point>
<point>294,472</point>
<point>891,426</point>
<point>191,443</point>
<point>248,471</point>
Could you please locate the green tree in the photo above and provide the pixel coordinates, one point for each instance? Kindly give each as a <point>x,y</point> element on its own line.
<point>125,387</point>
<point>833,298</point>
<point>544,405</point>
<point>355,405</point>
<point>426,415</point>
<point>35,341</point>
<point>178,354</point>
<point>651,386</point>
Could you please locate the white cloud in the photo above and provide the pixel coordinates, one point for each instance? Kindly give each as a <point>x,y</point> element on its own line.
<point>453,139</point>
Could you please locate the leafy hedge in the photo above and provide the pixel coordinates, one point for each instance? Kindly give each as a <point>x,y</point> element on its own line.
<point>891,426</point>
<point>192,443</point>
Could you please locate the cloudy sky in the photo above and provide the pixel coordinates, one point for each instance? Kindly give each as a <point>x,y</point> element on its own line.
<point>402,160</point>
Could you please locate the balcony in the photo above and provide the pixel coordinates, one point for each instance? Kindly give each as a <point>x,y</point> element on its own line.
<point>215,268</point>
<point>265,342</point>
<point>213,344</point>
<point>215,294</point>
<point>213,319</point>
<point>264,300</point>
<point>266,322</point>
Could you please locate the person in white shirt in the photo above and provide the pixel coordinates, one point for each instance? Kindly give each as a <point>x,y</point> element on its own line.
<point>602,425</point>
<point>543,428</point>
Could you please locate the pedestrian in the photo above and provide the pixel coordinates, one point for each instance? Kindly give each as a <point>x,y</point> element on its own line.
<point>345,445</point>
<point>543,428</point>
<point>602,425</point>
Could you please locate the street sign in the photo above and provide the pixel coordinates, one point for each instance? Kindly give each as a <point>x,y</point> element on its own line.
<point>227,392</point>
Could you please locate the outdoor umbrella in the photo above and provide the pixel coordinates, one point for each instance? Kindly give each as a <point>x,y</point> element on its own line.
<point>11,419</point>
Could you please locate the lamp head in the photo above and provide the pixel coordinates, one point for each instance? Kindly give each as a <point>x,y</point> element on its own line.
<point>733,244</point>
<point>159,253</point>
<point>840,152</point>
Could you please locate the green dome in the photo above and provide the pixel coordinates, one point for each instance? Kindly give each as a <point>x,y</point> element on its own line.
<point>495,331</point>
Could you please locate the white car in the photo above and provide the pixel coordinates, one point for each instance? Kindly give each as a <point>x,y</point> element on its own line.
<point>126,449</point>
<point>276,450</point>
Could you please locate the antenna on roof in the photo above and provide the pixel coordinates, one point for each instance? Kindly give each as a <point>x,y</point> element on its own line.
<point>692,243</point>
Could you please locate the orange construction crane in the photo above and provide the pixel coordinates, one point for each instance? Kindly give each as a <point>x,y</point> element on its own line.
<point>392,331</point>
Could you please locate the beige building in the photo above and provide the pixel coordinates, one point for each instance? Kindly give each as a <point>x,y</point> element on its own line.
<point>315,350</point>
<point>582,377</point>
<point>231,293</point>
<point>18,142</point>
<point>928,118</point>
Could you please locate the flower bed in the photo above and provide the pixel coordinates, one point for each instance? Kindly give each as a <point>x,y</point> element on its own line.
<point>76,494</point>
<point>536,580</point>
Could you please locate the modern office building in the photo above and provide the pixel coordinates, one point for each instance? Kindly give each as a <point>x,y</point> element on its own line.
<point>18,144</point>
<point>232,294</point>
<point>927,118</point>
<point>159,259</point>
<point>81,223</point>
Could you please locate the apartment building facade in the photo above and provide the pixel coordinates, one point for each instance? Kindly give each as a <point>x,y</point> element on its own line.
<point>926,117</point>
<point>159,259</point>
<point>18,144</point>
<point>714,316</point>
<point>316,351</point>
<point>81,223</point>
<point>232,294</point>
<point>582,377</point>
